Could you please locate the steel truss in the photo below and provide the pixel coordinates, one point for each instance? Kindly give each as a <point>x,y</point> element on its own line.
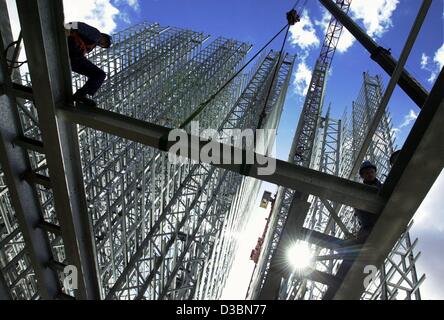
<point>161,249</point>
<point>155,225</point>
<point>337,148</point>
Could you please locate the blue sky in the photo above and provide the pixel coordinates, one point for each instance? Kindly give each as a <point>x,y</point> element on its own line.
<point>256,21</point>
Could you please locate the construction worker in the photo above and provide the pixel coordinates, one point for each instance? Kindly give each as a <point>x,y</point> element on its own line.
<point>366,219</point>
<point>82,39</point>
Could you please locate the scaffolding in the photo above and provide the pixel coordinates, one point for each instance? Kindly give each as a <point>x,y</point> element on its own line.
<point>159,229</point>
<point>152,229</point>
<point>337,145</point>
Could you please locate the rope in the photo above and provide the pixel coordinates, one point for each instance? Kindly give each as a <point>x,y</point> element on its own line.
<point>204,104</point>
<point>262,116</point>
<point>295,5</point>
<point>20,63</point>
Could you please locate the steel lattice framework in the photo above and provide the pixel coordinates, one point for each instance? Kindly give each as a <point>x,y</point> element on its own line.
<point>160,230</point>
<point>337,144</point>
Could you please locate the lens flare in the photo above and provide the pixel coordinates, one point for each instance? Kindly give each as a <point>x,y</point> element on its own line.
<point>300,256</point>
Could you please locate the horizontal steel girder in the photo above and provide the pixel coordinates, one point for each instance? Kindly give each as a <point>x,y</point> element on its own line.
<point>289,175</point>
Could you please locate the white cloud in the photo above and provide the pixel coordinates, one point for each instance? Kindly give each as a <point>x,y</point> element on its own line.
<point>424,61</point>
<point>102,14</point>
<point>375,16</point>
<point>429,215</point>
<point>98,13</point>
<point>303,34</point>
<point>408,119</point>
<point>325,20</point>
<point>134,4</point>
<point>439,57</point>
<point>345,41</point>
<point>429,228</point>
<point>302,78</point>
<point>435,66</point>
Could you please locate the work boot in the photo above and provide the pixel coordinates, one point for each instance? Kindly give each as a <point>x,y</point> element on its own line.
<point>85,101</point>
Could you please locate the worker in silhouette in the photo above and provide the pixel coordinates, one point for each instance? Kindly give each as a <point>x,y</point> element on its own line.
<point>82,39</point>
<point>367,219</point>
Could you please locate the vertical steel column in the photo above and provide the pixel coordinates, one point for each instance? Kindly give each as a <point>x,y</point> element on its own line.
<point>45,43</point>
<point>15,163</point>
<point>5,294</point>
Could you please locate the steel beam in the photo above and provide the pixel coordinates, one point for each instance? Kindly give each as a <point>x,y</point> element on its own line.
<point>287,174</point>
<point>382,56</point>
<point>46,49</point>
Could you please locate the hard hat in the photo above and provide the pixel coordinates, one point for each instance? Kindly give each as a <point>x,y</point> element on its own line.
<point>365,165</point>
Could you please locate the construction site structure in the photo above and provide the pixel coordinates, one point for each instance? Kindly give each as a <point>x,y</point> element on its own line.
<point>157,229</point>
<point>336,146</point>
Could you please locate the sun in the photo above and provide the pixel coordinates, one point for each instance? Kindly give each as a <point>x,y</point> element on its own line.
<point>299,256</point>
